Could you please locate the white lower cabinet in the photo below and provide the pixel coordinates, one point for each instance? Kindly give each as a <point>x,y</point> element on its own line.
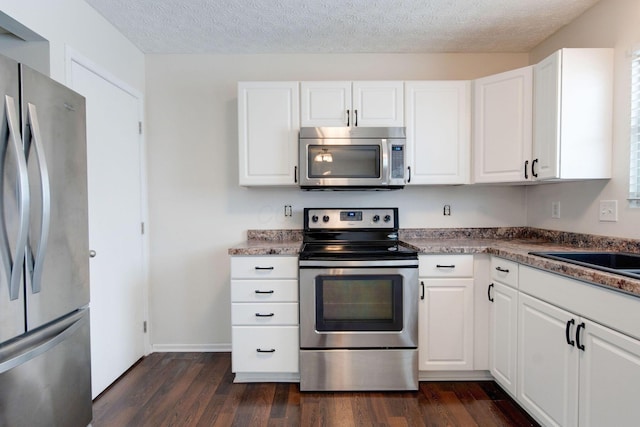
<point>571,369</point>
<point>264,318</point>
<point>446,332</point>
<point>547,365</point>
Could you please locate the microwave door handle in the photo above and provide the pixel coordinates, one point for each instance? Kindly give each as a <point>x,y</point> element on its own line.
<point>386,147</point>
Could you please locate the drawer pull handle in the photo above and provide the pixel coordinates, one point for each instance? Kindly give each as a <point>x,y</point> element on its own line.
<point>445,266</point>
<point>502,270</point>
<point>265,315</point>
<point>263,292</point>
<point>271,350</point>
<point>263,268</point>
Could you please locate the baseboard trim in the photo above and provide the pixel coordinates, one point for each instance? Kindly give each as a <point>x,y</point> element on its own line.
<point>191,348</point>
<point>455,376</point>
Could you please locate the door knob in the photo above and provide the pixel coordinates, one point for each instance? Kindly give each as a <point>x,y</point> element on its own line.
<point>92,253</point>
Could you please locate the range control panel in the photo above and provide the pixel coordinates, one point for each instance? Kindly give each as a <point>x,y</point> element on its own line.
<point>352,219</point>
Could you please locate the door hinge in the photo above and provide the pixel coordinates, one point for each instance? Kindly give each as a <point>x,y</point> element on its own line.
<point>142,228</point>
<point>140,128</point>
<point>144,326</point>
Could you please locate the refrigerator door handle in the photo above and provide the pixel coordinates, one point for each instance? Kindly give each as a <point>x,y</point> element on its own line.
<point>13,267</point>
<point>38,343</point>
<point>36,140</point>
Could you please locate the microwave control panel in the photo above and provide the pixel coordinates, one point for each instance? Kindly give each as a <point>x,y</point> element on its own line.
<point>397,161</point>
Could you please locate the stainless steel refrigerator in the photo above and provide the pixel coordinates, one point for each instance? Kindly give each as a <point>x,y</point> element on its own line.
<point>45,372</point>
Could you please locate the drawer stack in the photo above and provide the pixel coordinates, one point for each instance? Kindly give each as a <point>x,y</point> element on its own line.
<point>264,314</point>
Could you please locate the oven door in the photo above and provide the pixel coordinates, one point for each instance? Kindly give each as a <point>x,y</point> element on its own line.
<point>358,307</point>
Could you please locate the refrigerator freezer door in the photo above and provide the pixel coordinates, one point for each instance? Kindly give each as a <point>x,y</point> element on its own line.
<point>45,377</point>
<point>54,135</point>
<point>12,319</point>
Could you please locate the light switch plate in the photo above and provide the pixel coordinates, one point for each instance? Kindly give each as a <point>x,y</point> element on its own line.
<point>608,210</point>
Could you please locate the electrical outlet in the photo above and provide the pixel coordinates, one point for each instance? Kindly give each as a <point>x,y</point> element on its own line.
<point>287,211</point>
<point>608,210</point>
<point>555,209</point>
<point>446,211</point>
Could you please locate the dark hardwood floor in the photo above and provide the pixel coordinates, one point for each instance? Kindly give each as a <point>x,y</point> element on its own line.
<point>197,389</point>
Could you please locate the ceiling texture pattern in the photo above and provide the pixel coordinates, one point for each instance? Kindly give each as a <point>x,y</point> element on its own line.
<point>338,26</point>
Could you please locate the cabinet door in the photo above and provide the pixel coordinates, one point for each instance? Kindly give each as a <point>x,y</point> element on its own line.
<point>378,103</point>
<point>609,377</point>
<point>546,131</point>
<point>268,125</point>
<point>445,340</point>
<point>325,104</point>
<point>503,117</point>
<point>547,380</point>
<point>503,335</point>
<point>438,136</point>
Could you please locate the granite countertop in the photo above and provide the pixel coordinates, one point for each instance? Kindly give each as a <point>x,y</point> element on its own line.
<point>509,243</point>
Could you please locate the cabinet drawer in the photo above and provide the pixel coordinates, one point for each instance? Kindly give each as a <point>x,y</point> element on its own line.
<point>264,291</point>
<point>264,267</point>
<point>504,271</point>
<point>446,266</point>
<point>284,313</point>
<point>264,349</point>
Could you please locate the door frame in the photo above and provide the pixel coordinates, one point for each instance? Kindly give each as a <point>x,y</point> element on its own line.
<point>71,56</point>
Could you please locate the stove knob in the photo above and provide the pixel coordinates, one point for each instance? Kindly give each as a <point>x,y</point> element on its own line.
<point>325,218</point>
<point>376,218</point>
<point>387,218</point>
<point>314,218</point>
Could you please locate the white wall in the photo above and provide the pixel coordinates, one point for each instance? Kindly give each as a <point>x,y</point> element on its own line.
<point>197,210</point>
<point>610,23</point>
<point>75,24</point>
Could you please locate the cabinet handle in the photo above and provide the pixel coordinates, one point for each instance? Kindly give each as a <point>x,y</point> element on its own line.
<point>446,266</point>
<point>526,165</point>
<point>271,350</point>
<point>263,268</point>
<point>355,118</point>
<point>348,118</point>
<point>567,332</point>
<point>295,174</point>
<point>409,180</point>
<point>265,315</point>
<point>533,168</point>
<point>489,292</point>
<point>502,270</point>
<point>263,292</point>
<point>580,346</point>
<point>422,286</point>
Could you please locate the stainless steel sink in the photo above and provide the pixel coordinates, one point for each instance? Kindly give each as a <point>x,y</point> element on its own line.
<point>625,264</point>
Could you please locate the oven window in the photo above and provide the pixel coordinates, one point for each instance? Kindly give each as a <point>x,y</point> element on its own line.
<point>343,161</point>
<point>359,303</point>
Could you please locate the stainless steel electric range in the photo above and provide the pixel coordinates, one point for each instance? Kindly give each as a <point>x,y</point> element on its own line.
<point>358,302</point>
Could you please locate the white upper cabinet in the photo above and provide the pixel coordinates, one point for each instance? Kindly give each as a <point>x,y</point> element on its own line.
<point>503,117</point>
<point>572,132</point>
<point>438,132</point>
<point>345,103</point>
<point>268,125</point>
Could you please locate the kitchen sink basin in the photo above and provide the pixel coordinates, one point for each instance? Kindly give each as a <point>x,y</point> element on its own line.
<point>625,264</point>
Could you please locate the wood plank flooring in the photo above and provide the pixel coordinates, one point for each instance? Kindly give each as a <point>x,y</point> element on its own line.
<point>197,389</point>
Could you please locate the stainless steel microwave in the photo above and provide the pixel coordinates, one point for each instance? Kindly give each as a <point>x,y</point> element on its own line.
<point>352,158</point>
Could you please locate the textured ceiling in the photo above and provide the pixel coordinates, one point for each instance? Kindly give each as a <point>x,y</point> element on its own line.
<point>338,26</point>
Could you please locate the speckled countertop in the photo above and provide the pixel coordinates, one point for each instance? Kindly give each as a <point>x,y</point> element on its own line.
<point>512,243</point>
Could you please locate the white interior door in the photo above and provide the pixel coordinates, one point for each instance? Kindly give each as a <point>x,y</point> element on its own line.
<point>115,218</point>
